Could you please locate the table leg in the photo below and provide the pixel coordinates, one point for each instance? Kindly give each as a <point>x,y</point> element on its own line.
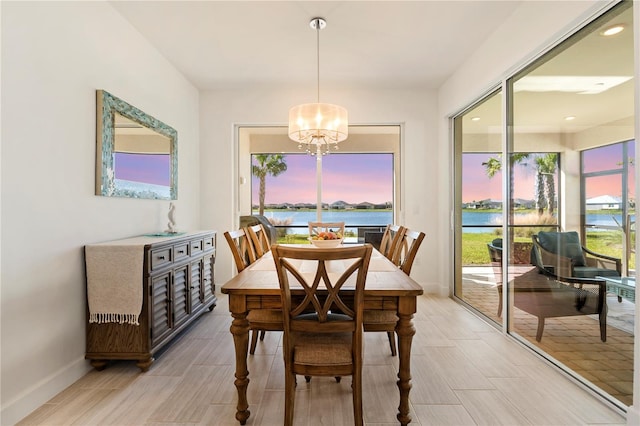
<point>240,330</point>
<point>405,331</point>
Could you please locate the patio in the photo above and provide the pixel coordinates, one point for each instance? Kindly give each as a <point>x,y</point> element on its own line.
<point>572,341</point>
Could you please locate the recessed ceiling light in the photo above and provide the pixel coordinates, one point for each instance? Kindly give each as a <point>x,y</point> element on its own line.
<point>475,118</point>
<point>615,29</point>
<point>569,118</point>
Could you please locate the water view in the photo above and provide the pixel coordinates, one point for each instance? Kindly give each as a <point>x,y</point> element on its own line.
<point>355,218</point>
<point>471,219</point>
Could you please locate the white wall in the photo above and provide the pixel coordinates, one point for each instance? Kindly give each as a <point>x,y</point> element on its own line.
<point>54,57</point>
<point>221,110</point>
<point>529,31</point>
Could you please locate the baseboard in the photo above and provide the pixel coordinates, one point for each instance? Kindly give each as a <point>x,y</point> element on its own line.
<point>431,288</point>
<point>20,407</point>
<point>633,416</point>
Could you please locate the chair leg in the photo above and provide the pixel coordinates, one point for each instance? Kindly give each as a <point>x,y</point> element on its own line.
<point>392,342</point>
<point>356,388</point>
<point>603,324</point>
<point>540,328</point>
<point>289,398</point>
<point>254,341</point>
<point>262,333</point>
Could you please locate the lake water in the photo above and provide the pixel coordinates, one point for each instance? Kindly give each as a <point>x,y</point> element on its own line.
<point>495,219</point>
<point>350,217</point>
<point>382,218</point>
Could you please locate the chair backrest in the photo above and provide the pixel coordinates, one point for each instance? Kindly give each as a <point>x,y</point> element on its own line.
<point>495,254</point>
<point>316,227</point>
<point>391,240</point>
<point>565,244</point>
<point>323,292</point>
<point>241,248</point>
<point>259,239</point>
<point>407,249</point>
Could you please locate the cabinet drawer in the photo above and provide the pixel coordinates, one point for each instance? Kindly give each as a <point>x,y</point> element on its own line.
<point>160,257</point>
<point>208,243</point>
<point>196,247</point>
<point>180,251</point>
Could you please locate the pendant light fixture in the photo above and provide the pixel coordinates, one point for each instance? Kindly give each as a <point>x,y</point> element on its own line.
<point>318,127</point>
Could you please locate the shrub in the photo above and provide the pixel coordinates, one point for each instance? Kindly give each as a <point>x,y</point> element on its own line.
<point>281,232</point>
<point>544,222</point>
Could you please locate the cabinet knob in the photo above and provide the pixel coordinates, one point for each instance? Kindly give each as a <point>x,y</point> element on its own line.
<point>160,257</point>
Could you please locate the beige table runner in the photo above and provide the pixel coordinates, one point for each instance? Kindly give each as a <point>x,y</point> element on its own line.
<point>114,283</point>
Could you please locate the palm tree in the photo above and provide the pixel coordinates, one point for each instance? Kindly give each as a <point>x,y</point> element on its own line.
<point>268,164</point>
<point>494,164</point>
<point>546,166</point>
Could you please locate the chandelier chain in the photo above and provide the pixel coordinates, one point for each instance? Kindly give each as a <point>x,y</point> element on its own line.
<point>318,57</point>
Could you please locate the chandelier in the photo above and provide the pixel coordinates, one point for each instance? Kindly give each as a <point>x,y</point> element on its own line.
<point>318,127</point>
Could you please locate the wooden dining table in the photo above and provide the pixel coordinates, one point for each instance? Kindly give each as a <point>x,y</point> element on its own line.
<point>387,288</point>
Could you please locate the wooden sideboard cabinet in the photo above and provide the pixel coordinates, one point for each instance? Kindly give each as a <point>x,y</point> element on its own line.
<point>177,285</point>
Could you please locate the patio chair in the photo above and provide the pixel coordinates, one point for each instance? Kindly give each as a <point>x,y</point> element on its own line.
<point>495,254</point>
<point>544,295</point>
<point>562,254</point>
<point>317,341</point>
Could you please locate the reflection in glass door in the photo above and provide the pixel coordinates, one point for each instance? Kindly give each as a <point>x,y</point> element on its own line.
<point>608,179</point>
<point>479,197</point>
<point>560,186</point>
<point>566,103</point>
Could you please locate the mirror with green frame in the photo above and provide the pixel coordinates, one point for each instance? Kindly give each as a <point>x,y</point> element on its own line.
<point>137,155</point>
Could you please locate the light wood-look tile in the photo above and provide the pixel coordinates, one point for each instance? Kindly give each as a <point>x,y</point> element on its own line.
<point>464,372</point>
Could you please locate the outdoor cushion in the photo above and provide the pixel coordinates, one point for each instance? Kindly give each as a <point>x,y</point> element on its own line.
<point>592,272</point>
<point>565,244</point>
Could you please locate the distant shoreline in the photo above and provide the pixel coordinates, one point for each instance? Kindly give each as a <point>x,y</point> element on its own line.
<point>327,210</point>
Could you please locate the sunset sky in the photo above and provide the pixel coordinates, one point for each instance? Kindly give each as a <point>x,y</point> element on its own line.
<point>147,168</point>
<point>478,186</point>
<point>353,178</point>
<point>356,178</point>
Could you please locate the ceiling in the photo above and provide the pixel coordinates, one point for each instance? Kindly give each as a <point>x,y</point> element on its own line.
<point>378,44</point>
<point>252,44</point>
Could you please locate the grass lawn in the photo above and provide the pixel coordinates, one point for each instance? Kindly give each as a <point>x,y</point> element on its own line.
<point>474,246</point>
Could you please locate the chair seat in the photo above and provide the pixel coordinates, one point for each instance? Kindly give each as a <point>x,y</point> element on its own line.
<point>592,272</point>
<point>322,349</point>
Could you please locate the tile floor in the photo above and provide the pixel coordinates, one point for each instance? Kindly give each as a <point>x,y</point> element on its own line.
<point>464,372</point>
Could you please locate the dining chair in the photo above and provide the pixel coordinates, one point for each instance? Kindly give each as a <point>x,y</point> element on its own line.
<point>407,245</point>
<point>317,341</point>
<point>407,249</point>
<point>244,254</point>
<point>391,240</point>
<point>259,238</point>
<point>241,248</point>
<point>316,227</point>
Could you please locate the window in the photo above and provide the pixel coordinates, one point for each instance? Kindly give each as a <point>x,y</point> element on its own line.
<point>359,184</point>
<point>608,201</point>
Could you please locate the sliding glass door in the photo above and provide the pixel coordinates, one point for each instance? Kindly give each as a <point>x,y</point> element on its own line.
<point>551,162</point>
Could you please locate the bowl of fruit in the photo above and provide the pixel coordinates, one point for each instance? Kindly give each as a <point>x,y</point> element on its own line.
<point>326,239</point>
